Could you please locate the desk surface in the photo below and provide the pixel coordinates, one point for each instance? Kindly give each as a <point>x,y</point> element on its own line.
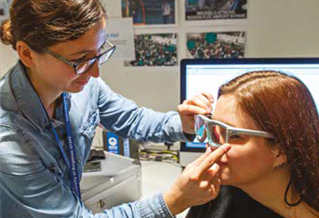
<point>158,177</point>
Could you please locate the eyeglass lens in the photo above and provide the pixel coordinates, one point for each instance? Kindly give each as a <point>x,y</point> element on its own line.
<point>85,66</point>
<point>216,134</point>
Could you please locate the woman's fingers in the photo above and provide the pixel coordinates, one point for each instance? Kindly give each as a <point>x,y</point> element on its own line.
<point>208,96</point>
<point>202,102</point>
<point>213,171</point>
<point>213,157</point>
<point>199,160</point>
<point>189,109</point>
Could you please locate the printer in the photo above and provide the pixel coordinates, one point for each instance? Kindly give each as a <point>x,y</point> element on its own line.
<point>118,182</point>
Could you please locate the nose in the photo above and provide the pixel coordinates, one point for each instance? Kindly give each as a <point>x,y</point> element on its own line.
<point>95,70</point>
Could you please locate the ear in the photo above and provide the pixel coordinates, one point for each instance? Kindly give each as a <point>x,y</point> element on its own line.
<point>26,54</point>
<point>280,157</point>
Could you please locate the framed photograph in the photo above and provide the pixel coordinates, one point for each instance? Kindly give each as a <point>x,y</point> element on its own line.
<point>4,9</point>
<point>152,50</point>
<point>216,45</point>
<point>215,10</point>
<point>150,12</point>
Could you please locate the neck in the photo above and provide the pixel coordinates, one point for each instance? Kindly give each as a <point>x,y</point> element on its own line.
<point>46,93</point>
<point>270,192</point>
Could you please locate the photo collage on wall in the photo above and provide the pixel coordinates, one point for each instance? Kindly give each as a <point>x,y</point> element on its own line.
<point>150,12</point>
<point>153,46</point>
<point>216,45</point>
<point>224,22</point>
<point>4,9</point>
<point>215,9</point>
<point>213,29</point>
<point>155,50</point>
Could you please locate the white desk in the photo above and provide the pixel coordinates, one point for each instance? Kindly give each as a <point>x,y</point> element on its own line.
<point>158,177</point>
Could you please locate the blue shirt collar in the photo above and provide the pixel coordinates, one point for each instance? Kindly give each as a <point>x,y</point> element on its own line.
<point>27,99</point>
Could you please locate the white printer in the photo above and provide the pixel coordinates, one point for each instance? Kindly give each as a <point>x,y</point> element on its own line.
<point>119,181</point>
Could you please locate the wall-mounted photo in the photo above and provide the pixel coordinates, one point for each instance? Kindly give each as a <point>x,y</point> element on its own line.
<point>4,9</point>
<point>150,12</point>
<point>215,9</point>
<point>216,45</point>
<point>155,50</point>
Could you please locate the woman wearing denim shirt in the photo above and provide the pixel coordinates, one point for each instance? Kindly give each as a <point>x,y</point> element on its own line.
<point>51,102</point>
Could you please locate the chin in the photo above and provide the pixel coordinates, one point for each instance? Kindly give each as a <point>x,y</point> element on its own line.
<point>75,89</point>
<point>225,180</point>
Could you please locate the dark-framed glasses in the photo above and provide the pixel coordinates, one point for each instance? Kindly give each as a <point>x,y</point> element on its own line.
<point>106,52</point>
<point>216,133</point>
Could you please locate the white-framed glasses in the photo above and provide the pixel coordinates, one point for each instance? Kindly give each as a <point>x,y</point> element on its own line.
<point>216,133</point>
<point>85,65</point>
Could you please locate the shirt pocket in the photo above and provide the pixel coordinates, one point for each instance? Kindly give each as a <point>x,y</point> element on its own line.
<point>88,129</point>
<point>61,169</point>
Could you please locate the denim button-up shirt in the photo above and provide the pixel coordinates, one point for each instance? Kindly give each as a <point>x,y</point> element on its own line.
<point>35,179</point>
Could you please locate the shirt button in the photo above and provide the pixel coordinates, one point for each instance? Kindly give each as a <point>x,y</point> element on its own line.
<point>79,161</point>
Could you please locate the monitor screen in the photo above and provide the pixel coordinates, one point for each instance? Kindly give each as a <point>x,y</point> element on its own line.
<point>208,75</point>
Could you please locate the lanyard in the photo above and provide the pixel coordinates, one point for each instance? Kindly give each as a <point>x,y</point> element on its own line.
<point>75,180</point>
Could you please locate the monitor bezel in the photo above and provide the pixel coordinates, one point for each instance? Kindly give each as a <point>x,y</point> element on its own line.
<point>251,61</point>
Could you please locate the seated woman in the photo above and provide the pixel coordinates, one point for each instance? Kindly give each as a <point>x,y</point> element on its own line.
<point>272,171</point>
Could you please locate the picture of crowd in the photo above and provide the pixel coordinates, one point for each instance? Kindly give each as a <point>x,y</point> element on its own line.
<point>215,9</point>
<point>149,12</point>
<point>155,50</point>
<point>216,45</point>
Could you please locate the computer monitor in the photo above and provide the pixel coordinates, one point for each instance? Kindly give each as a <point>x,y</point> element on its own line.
<point>208,75</point>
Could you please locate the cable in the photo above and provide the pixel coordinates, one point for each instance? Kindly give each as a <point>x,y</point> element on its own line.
<point>163,156</point>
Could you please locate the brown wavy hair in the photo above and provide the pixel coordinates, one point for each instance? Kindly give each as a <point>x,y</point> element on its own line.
<point>282,105</point>
<point>43,23</point>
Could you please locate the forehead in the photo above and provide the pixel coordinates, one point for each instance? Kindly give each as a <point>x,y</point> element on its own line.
<point>229,111</point>
<point>90,41</point>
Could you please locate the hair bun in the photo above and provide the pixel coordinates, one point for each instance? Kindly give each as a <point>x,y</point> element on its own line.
<point>5,33</point>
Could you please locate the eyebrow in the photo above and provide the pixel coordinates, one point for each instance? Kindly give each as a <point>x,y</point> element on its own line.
<point>229,124</point>
<point>88,51</point>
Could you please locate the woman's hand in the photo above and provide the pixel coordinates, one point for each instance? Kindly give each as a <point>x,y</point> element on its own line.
<point>200,104</point>
<point>199,182</point>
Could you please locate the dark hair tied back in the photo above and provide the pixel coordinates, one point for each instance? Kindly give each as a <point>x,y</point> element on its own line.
<point>5,33</point>
<point>45,23</point>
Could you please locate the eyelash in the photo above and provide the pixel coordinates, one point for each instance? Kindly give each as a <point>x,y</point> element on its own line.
<point>235,137</point>
<point>79,60</point>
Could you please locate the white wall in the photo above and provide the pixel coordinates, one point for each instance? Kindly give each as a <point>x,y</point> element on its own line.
<point>276,28</point>
<point>283,28</point>
<point>8,58</point>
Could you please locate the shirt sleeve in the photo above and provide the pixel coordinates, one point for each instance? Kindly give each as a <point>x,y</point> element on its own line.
<point>126,119</point>
<point>40,192</point>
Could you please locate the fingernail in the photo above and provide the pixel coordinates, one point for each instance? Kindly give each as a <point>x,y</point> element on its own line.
<point>215,167</point>
<point>208,149</point>
<point>226,147</point>
<point>204,111</point>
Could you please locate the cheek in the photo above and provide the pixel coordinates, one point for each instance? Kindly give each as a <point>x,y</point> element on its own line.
<point>247,162</point>
<point>57,71</point>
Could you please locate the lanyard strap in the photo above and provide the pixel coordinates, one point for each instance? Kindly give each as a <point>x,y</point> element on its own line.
<point>75,179</point>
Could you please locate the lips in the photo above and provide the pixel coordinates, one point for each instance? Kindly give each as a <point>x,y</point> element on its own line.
<point>84,82</point>
<point>221,163</point>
